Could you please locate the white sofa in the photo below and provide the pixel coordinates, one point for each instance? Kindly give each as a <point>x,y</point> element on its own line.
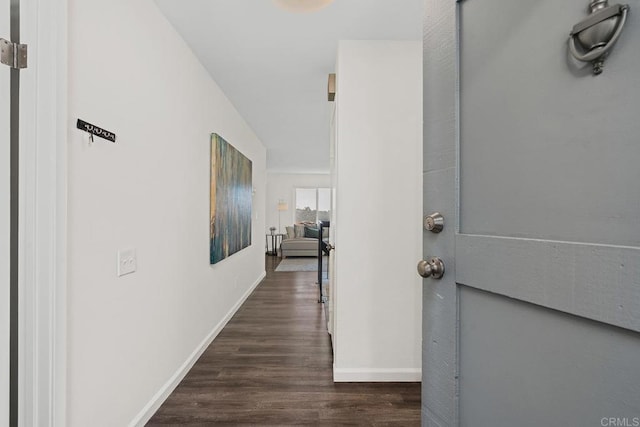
<point>299,246</point>
<point>300,240</point>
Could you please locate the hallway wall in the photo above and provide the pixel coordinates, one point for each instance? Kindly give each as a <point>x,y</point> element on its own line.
<point>131,337</point>
<point>378,226</point>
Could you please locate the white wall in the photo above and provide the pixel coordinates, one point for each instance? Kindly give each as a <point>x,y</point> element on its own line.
<point>130,338</point>
<point>282,186</point>
<point>378,225</point>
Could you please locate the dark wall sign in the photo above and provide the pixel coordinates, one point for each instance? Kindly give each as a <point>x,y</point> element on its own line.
<point>95,130</point>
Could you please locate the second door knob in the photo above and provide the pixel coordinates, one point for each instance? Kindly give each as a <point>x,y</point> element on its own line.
<point>433,268</point>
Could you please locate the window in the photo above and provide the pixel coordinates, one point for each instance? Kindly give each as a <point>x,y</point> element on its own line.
<point>313,204</point>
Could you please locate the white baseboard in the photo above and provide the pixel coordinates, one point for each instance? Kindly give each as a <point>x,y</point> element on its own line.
<point>158,399</point>
<point>371,375</point>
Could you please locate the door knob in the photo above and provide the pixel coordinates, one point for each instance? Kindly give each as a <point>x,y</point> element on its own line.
<point>433,268</point>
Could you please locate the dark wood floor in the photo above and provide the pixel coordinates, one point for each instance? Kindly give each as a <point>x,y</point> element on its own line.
<point>272,365</point>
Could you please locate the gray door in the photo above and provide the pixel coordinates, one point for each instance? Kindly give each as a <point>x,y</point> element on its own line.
<point>535,164</point>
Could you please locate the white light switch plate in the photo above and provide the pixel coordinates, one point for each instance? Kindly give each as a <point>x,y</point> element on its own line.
<point>127,262</point>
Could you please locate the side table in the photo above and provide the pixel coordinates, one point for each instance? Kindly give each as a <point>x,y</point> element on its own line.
<point>275,240</point>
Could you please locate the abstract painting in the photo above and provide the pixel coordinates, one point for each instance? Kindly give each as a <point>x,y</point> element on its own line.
<point>231,193</point>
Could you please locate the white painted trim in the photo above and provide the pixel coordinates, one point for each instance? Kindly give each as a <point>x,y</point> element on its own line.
<point>43,216</point>
<point>350,375</point>
<point>158,399</point>
<point>59,315</point>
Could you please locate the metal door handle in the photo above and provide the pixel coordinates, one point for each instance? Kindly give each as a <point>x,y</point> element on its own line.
<point>434,222</point>
<point>597,33</point>
<point>433,268</point>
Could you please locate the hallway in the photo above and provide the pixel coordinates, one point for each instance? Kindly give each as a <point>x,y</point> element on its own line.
<point>272,365</point>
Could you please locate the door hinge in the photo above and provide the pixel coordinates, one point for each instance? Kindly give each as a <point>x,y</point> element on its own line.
<point>13,54</point>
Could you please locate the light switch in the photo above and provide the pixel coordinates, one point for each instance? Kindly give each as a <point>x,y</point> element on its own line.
<point>127,262</point>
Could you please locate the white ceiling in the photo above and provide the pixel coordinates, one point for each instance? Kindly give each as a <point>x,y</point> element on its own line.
<point>273,64</point>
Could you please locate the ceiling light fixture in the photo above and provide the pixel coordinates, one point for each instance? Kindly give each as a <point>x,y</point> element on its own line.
<point>302,6</point>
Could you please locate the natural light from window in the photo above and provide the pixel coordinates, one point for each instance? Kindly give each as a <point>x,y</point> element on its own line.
<point>313,204</point>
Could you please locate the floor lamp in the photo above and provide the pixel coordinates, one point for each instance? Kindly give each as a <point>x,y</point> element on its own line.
<point>282,206</point>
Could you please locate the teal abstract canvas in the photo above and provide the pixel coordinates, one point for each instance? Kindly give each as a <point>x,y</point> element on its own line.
<point>231,194</point>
